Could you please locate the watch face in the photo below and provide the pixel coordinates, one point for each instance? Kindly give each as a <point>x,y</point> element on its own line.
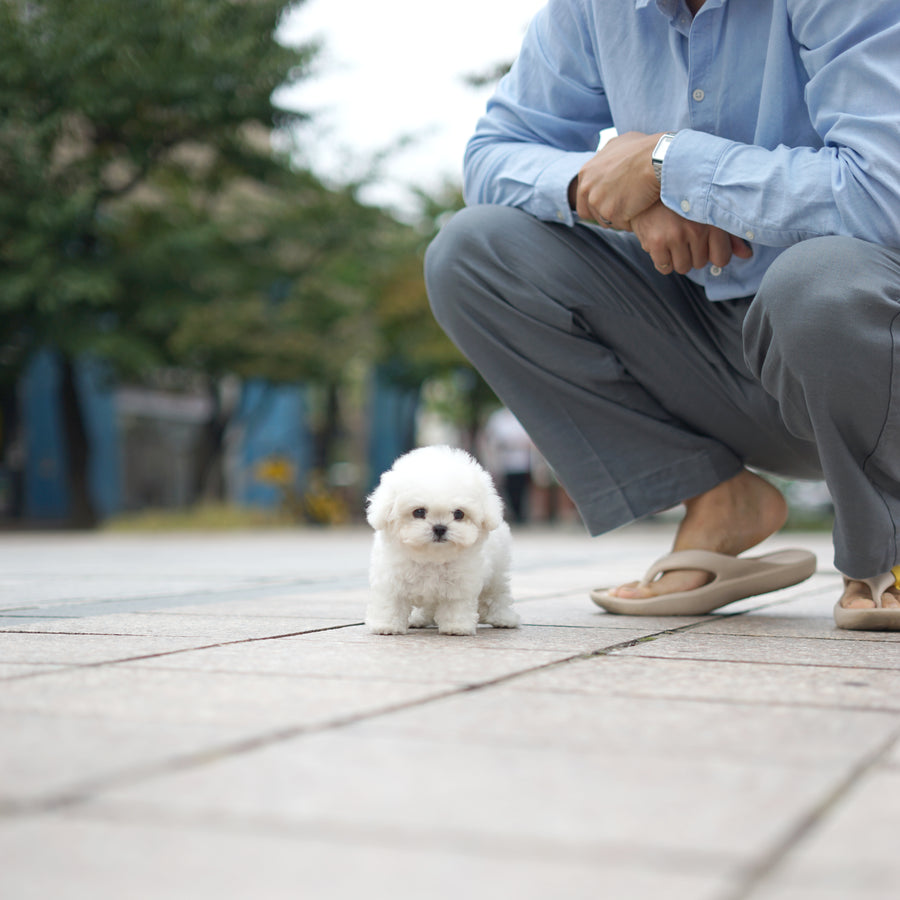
<point>662,145</point>
<point>659,153</point>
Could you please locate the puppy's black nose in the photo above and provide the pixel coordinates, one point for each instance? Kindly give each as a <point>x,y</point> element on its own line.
<point>439,531</point>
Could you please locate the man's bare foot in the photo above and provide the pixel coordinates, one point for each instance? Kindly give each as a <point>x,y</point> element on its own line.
<point>858,596</point>
<point>731,518</point>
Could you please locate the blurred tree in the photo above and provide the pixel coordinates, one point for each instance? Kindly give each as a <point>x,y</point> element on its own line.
<point>489,76</point>
<point>294,288</point>
<point>411,348</point>
<point>124,124</point>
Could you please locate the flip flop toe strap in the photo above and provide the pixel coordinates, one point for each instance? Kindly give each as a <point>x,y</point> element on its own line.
<point>878,585</point>
<point>718,565</point>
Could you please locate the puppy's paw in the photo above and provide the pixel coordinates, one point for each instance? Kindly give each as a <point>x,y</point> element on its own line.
<point>461,623</point>
<point>502,618</point>
<point>457,618</point>
<point>456,628</point>
<point>386,627</point>
<point>418,618</point>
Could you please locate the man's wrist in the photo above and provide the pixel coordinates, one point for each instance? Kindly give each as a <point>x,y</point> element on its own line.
<point>573,194</point>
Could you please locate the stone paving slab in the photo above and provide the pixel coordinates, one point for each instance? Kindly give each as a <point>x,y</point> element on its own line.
<point>857,890</point>
<point>47,573</point>
<point>204,715</point>
<point>576,609</point>
<point>264,700</point>
<point>206,626</point>
<point>96,858</point>
<point>614,726</point>
<point>20,670</point>
<point>893,758</point>
<point>420,662</point>
<point>84,649</point>
<point>470,792</point>
<point>852,853</point>
<point>347,602</point>
<point>778,624</point>
<point>870,654</point>
<point>44,757</point>
<point>736,682</point>
<point>709,730</point>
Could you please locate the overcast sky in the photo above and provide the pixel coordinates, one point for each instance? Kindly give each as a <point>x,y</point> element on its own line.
<point>391,68</point>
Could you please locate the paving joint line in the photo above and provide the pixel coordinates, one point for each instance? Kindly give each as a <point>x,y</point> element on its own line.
<point>768,866</point>
<point>273,637</point>
<point>437,838</point>
<point>88,790</point>
<point>756,662</point>
<point>83,794</point>
<point>79,795</point>
<point>163,653</point>
<point>759,704</point>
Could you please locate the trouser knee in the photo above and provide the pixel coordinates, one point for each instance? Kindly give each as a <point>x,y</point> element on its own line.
<point>472,241</point>
<point>443,259</point>
<point>818,336</point>
<point>807,305</point>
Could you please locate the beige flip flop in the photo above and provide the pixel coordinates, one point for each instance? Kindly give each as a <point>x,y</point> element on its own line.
<point>734,578</point>
<point>876,618</point>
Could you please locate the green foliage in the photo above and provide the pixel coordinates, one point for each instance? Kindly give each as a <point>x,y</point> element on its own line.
<point>289,297</point>
<point>121,122</point>
<point>489,76</point>
<point>146,221</point>
<point>411,346</point>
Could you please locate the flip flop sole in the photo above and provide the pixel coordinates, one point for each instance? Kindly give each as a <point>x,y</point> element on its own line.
<point>735,578</point>
<point>866,619</point>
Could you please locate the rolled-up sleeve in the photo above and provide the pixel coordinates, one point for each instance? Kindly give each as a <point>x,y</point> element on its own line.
<point>543,122</point>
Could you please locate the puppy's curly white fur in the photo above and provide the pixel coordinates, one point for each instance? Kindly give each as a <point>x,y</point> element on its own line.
<point>441,551</point>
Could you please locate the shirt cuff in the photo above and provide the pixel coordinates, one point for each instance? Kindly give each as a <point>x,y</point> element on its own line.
<point>552,187</point>
<point>688,173</point>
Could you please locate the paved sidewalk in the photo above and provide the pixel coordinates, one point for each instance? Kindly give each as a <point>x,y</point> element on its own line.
<point>205,717</point>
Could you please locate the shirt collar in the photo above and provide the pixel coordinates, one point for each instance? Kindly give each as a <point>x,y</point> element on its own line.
<point>669,7</point>
<point>666,7</point>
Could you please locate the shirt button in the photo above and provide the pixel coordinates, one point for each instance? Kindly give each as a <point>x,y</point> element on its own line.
<point>749,235</point>
<point>715,270</point>
<point>561,215</point>
<point>685,205</point>
<point>698,95</point>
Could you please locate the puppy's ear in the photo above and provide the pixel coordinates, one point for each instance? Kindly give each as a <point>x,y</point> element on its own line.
<point>380,504</point>
<point>492,513</point>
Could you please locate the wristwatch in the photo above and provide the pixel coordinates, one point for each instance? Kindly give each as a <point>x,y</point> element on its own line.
<point>659,153</point>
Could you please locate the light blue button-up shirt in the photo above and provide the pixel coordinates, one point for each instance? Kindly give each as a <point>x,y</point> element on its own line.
<point>786,113</point>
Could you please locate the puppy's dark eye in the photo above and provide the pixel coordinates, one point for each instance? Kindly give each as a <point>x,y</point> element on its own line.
<point>420,513</point>
<point>458,514</point>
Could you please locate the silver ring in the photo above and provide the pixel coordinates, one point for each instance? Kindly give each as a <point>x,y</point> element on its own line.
<point>606,222</point>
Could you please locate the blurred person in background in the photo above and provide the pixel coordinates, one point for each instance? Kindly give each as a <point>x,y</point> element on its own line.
<point>506,450</point>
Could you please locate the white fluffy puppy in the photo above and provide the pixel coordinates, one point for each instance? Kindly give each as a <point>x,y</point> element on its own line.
<point>441,551</point>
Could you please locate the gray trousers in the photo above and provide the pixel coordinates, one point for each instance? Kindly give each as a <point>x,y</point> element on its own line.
<point>642,393</point>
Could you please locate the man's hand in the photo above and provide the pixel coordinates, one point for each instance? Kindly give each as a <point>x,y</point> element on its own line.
<point>618,183</point>
<point>676,243</point>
